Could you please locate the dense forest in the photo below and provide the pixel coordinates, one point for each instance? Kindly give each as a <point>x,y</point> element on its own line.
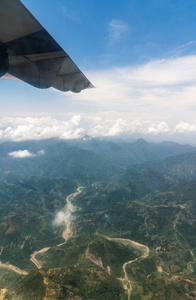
<point>95,219</point>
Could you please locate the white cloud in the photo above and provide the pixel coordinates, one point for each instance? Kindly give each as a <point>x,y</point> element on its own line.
<point>29,128</point>
<point>183,127</point>
<point>75,126</point>
<point>162,127</point>
<point>167,72</point>
<point>25,153</point>
<point>159,90</point>
<point>41,152</point>
<point>117,29</point>
<point>64,216</point>
<point>105,124</point>
<point>60,218</point>
<point>187,47</point>
<point>21,154</point>
<point>155,98</point>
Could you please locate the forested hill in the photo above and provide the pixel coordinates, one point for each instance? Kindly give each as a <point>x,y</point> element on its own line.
<point>93,219</point>
<point>85,160</point>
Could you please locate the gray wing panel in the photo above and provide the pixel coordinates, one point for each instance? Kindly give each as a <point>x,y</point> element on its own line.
<point>28,52</point>
<point>16,21</point>
<point>70,78</point>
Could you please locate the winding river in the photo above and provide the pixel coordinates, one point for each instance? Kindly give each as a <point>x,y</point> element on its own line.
<point>13,268</point>
<point>67,233</point>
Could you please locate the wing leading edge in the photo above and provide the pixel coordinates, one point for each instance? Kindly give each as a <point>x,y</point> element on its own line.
<point>29,52</point>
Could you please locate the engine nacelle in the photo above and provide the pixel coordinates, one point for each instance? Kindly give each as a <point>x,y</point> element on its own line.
<point>4,61</point>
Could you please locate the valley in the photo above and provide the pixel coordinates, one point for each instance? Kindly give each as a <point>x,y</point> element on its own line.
<point>145,253</point>
<point>129,234</point>
<point>67,233</point>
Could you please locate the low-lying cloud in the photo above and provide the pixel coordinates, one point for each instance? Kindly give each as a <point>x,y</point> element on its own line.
<point>65,215</point>
<point>25,153</point>
<point>21,154</point>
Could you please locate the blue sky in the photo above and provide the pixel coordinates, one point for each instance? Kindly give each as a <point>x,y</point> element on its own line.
<point>117,33</point>
<point>140,55</point>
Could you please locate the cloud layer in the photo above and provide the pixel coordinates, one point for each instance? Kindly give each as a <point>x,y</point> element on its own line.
<point>151,99</point>
<point>159,90</point>
<point>110,124</point>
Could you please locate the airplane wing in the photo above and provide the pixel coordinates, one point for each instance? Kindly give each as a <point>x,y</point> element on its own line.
<point>29,52</point>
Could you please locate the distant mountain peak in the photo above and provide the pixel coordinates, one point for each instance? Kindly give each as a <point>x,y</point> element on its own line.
<point>141,141</point>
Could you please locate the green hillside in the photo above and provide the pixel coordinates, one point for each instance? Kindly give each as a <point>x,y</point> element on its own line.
<point>27,210</point>
<point>127,235</point>
<point>87,161</point>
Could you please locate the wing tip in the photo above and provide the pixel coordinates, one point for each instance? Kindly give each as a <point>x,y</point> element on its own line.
<point>91,86</point>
